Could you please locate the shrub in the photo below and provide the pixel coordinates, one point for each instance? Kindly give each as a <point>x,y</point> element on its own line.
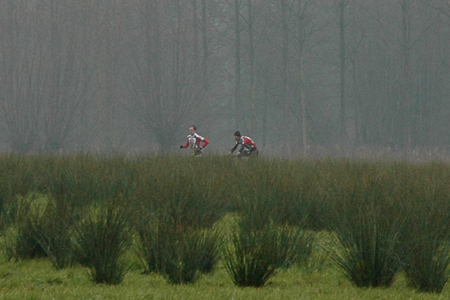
<point>51,229</point>
<point>149,238</point>
<point>185,255</point>
<point>101,238</point>
<point>281,191</point>
<point>177,253</point>
<point>20,240</point>
<point>427,267</point>
<point>367,222</point>
<point>253,255</point>
<point>210,243</point>
<point>366,254</point>
<point>423,247</point>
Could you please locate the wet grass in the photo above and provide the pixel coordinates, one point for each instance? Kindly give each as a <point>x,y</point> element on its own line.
<point>37,279</point>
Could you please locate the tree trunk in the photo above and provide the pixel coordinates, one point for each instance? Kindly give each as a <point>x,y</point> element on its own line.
<point>252,65</point>
<point>237,61</point>
<point>285,62</point>
<point>342,50</point>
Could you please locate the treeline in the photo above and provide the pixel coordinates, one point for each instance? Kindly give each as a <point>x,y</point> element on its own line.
<point>127,76</point>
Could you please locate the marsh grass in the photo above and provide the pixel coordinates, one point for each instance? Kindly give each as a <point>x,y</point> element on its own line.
<point>315,258</point>
<point>101,239</point>
<point>375,211</point>
<point>20,237</point>
<point>273,191</point>
<point>56,240</point>
<point>18,179</point>
<point>50,223</point>
<point>179,254</point>
<point>367,258</point>
<point>423,247</point>
<point>427,268</point>
<point>254,254</point>
<point>187,255</point>
<point>37,279</point>
<point>210,242</point>
<point>367,223</point>
<point>178,206</point>
<point>149,237</point>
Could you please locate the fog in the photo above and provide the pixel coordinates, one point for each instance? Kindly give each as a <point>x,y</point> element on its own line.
<point>300,77</point>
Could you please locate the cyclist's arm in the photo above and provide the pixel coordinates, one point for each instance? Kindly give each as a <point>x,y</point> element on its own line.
<point>205,142</point>
<point>234,148</point>
<point>187,144</point>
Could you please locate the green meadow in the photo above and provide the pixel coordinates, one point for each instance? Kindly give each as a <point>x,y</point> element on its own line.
<point>169,227</point>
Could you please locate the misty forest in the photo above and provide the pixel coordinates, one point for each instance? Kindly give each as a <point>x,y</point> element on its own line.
<point>348,102</point>
<point>129,76</point>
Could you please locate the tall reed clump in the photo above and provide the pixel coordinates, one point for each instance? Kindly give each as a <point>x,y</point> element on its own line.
<point>177,213</point>
<point>101,238</point>
<point>252,255</point>
<point>73,184</point>
<point>30,216</point>
<point>83,180</point>
<point>19,238</point>
<point>286,191</point>
<point>266,192</point>
<point>424,242</point>
<point>367,221</point>
<point>179,255</point>
<point>46,225</point>
<point>40,230</point>
<point>272,212</point>
<point>183,189</point>
<point>19,177</point>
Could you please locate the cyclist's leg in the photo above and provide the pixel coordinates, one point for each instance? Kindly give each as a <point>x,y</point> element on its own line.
<point>254,152</point>
<point>197,153</point>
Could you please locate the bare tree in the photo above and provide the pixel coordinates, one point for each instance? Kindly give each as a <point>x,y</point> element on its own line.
<point>67,72</point>
<point>251,55</point>
<point>22,85</point>
<point>433,82</point>
<point>405,46</point>
<point>412,28</point>
<point>237,62</point>
<point>106,22</point>
<point>206,65</point>
<point>340,10</point>
<point>383,50</point>
<point>201,57</point>
<point>304,27</point>
<point>285,63</point>
<point>162,71</point>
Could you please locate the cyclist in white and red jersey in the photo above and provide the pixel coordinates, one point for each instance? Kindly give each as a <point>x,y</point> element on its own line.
<point>248,147</point>
<point>195,141</point>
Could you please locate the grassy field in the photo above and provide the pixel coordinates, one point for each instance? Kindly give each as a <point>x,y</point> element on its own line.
<point>37,279</point>
<point>87,227</point>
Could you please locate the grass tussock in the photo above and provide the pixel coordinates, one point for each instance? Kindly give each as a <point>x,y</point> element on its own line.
<point>39,230</point>
<point>101,239</point>
<point>178,253</point>
<point>367,222</point>
<point>52,232</point>
<point>423,246</point>
<point>254,254</point>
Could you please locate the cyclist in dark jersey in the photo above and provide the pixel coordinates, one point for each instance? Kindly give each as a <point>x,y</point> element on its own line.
<point>248,147</point>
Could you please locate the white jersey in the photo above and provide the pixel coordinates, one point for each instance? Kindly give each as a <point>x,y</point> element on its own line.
<point>194,141</point>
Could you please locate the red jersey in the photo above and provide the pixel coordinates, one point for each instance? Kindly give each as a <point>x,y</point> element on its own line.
<point>247,142</point>
<point>194,141</point>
